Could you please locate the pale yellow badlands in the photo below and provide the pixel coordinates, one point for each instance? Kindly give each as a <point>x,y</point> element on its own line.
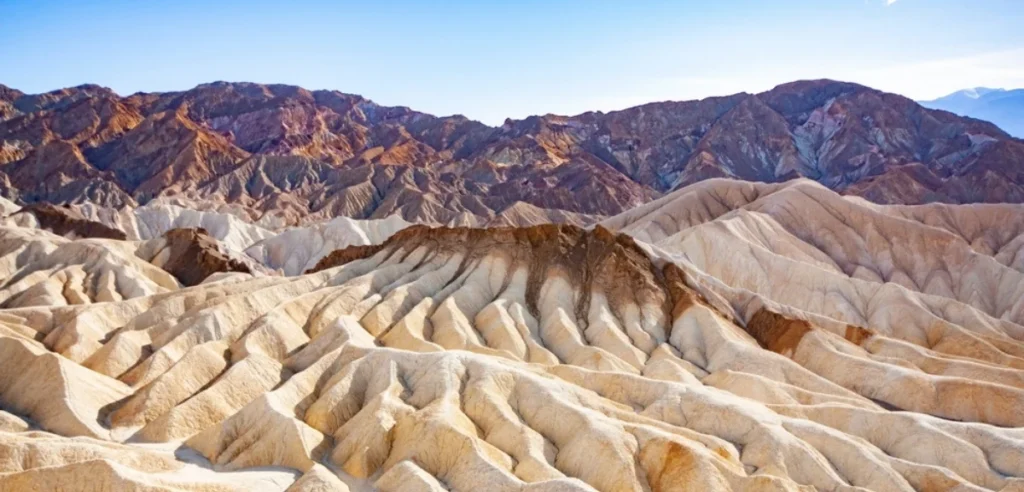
<point>752,337</point>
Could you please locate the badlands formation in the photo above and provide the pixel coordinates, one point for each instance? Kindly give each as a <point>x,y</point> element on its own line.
<point>284,155</point>
<point>728,336</point>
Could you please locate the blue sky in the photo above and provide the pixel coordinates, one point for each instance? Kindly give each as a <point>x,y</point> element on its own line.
<point>495,59</point>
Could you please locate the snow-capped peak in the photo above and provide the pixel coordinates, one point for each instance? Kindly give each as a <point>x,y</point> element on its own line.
<point>978,92</point>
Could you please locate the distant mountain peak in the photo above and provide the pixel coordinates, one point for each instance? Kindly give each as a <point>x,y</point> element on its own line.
<point>979,92</point>
<point>1003,107</point>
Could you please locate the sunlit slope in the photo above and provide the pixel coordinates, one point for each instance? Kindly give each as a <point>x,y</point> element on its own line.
<point>734,336</point>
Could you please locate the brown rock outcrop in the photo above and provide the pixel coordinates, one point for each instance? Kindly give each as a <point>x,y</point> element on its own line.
<point>68,222</point>
<point>345,255</point>
<point>594,259</point>
<point>191,255</point>
<point>776,332</point>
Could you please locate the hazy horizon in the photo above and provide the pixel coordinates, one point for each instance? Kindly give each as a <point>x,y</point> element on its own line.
<point>493,61</point>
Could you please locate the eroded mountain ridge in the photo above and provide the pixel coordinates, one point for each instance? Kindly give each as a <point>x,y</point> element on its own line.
<point>288,155</point>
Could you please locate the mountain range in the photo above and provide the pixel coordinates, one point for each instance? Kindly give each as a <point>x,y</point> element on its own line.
<point>248,287</point>
<point>1000,106</point>
<point>284,155</point>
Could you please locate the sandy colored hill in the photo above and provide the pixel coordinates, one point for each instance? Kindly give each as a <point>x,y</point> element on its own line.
<point>296,250</point>
<point>730,336</point>
<point>286,250</point>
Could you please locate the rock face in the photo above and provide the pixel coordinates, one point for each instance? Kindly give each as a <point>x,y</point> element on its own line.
<point>64,221</point>
<point>191,255</point>
<point>728,336</point>
<point>284,155</point>
<point>293,251</point>
<point>345,255</point>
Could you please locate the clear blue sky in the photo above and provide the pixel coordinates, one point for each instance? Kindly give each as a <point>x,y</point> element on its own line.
<point>492,59</point>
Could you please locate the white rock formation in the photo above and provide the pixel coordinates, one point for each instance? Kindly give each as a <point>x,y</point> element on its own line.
<point>38,268</point>
<point>7,207</point>
<point>236,234</point>
<point>159,216</point>
<point>290,251</point>
<point>751,337</point>
<point>298,249</point>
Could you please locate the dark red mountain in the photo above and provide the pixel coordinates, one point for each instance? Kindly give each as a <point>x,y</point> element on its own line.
<point>305,155</point>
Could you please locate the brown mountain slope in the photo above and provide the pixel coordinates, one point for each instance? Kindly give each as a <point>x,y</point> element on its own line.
<point>64,221</point>
<point>165,154</point>
<point>308,155</point>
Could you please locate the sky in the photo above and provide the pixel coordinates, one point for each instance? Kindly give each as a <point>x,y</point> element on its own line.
<point>491,59</point>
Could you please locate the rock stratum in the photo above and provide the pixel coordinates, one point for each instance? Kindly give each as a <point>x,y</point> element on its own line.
<point>728,336</point>
<point>284,156</point>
